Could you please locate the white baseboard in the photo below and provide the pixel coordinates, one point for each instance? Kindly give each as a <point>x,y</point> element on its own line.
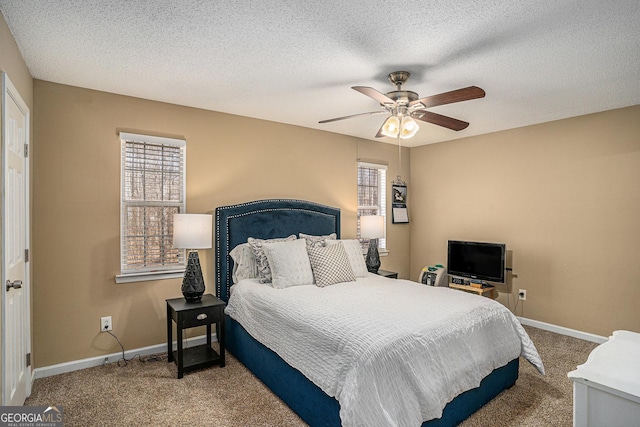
<point>61,368</point>
<point>47,371</point>
<point>563,331</point>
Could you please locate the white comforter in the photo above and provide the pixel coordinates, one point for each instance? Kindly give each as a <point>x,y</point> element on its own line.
<point>392,352</point>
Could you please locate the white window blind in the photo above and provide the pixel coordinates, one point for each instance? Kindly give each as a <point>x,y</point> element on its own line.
<point>372,198</point>
<point>153,190</point>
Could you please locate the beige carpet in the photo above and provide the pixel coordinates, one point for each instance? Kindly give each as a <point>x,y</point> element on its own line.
<point>147,393</point>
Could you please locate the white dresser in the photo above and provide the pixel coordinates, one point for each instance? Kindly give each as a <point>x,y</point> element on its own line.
<point>606,389</point>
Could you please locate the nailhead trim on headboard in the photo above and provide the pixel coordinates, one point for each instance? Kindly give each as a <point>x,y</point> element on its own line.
<point>225,214</point>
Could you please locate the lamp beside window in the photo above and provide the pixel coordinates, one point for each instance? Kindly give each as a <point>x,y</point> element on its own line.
<point>192,232</point>
<point>372,228</point>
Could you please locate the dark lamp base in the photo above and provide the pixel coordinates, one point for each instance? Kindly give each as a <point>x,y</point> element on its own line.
<point>373,257</point>
<point>193,283</point>
<point>193,297</point>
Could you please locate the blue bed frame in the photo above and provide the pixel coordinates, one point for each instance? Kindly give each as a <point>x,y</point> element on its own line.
<point>280,218</point>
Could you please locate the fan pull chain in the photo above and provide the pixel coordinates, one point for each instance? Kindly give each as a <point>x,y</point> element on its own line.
<point>399,154</point>
<point>398,179</point>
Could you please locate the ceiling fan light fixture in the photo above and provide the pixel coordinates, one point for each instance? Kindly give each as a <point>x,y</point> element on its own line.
<point>409,128</point>
<point>405,105</point>
<point>391,127</point>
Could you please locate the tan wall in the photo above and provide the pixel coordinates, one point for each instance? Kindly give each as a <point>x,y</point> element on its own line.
<point>11,62</point>
<point>230,159</point>
<point>565,198</point>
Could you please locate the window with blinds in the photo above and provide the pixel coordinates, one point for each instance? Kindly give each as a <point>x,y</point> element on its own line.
<point>153,190</point>
<point>372,181</point>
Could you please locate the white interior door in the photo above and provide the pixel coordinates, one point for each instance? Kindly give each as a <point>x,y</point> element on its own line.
<point>16,330</point>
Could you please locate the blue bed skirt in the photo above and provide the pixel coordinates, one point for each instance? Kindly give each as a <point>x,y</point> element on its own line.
<point>320,410</point>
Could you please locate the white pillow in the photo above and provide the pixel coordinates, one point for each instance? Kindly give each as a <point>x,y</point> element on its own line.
<point>316,241</point>
<point>330,265</point>
<point>261,259</point>
<point>289,263</point>
<point>244,263</point>
<point>354,253</point>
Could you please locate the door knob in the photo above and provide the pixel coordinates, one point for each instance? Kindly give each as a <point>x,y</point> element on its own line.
<point>16,284</point>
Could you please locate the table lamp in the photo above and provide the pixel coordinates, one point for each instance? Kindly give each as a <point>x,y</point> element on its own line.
<point>372,228</point>
<point>191,232</point>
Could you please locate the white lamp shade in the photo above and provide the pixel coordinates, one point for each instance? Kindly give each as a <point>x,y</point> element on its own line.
<point>371,226</point>
<point>192,231</point>
<point>409,128</point>
<point>391,127</point>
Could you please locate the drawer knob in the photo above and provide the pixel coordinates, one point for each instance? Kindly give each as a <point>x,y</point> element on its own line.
<point>201,316</point>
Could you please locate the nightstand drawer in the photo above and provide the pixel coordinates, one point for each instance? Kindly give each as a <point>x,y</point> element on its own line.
<point>201,316</point>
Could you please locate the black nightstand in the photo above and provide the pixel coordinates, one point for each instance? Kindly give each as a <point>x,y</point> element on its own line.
<point>389,274</point>
<point>207,311</point>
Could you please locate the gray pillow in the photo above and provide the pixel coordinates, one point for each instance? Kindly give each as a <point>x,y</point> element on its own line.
<point>330,265</point>
<point>354,253</point>
<point>261,258</point>
<point>244,263</point>
<point>289,263</point>
<point>316,241</point>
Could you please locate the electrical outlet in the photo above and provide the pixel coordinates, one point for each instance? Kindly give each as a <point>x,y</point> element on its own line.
<point>105,324</point>
<point>522,294</point>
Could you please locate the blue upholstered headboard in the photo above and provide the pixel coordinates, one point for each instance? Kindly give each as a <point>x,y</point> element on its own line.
<point>265,219</point>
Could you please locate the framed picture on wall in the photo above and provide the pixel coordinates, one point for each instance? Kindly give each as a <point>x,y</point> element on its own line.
<point>399,194</point>
<point>399,213</point>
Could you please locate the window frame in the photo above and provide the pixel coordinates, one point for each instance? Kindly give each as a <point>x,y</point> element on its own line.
<point>380,208</point>
<point>151,271</point>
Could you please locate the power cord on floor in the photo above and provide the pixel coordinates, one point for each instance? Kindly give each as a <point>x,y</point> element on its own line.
<point>123,361</point>
<point>154,358</point>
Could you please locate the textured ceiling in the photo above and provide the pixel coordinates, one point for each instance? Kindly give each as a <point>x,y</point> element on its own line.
<point>295,61</point>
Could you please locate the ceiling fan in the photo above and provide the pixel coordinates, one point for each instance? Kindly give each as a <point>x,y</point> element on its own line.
<point>404,106</point>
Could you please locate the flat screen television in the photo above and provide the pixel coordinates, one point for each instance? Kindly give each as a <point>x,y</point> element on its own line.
<point>476,260</point>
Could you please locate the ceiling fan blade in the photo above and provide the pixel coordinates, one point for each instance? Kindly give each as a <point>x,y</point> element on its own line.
<point>440,120</point>
<point>379,134</point>
<point>464,94</point>
<point>372,93</point>
<point>372,113</point>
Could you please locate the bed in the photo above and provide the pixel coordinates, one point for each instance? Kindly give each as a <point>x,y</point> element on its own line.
<point>278,218</point>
